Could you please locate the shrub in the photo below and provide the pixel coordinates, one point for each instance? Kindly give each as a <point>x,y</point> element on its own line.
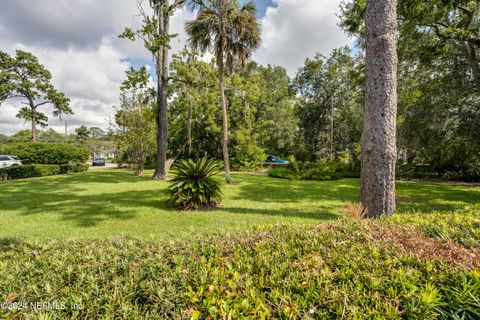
<point>470,172</point>
<point>46,153</point>
<point>194,184</point>
<point>39,170</point>
<point>73,167</point>
<point>319,171</point>
<point>246,153</point>
<point>415,171</point>
<point>332,271</point>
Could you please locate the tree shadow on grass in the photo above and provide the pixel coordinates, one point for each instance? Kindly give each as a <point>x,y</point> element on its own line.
<point>88,199</point>
<point>267,189</point>
<point>73,197</point>
<point>323,214</point>
<point>90,210</point>
<point>411,197</point>
<point>435,197</point>
<point>75,179</point>
<point>9,242</point>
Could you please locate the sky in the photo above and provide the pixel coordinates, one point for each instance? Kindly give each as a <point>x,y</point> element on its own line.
<point>76,40</point>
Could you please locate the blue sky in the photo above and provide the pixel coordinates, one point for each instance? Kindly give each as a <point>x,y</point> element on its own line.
<point>77,41</point>
<point>262,6</point>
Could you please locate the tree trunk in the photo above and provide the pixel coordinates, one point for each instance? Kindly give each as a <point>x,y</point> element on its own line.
<point>331,130</point>
<point>190,111</point>
<point>162,95</point>
<point>34,121</point>
<point>471,55</point>
<point>379,128</point>
<point>226,159</point>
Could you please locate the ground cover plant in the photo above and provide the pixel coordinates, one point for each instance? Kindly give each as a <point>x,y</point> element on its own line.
<point>345,269</point>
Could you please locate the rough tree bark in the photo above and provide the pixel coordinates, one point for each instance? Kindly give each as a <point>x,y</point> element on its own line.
<point>162,95</point>
<point>379,128</point>
<point>471,55</point>
<point>34,120</point>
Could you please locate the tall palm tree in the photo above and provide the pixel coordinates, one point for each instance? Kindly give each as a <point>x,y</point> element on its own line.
<point>232,31</point>
<point>379,127</point>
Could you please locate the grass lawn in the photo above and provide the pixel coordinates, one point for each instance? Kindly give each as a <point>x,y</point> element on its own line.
<point>110,203</point>
<point>423,264</point>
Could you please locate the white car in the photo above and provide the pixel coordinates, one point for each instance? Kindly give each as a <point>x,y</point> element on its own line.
<point>8,161</point>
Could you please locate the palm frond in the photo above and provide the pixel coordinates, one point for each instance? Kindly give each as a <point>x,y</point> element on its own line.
<point>194,184</point>
<point>231,30</point>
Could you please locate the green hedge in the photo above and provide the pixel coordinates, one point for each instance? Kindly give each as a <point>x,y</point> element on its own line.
<point>39,170</point>
<point>46,153</point>
<point>427,171</point>
<point>319,171</point>
<point>326,170</point>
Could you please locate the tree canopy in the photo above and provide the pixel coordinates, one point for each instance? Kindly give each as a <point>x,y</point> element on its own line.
<point>22,77</point>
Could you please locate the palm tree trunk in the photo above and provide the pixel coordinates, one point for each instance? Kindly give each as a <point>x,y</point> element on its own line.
<point>379,130</point>
<point>189,128</point>
<point>162,95</point>
<point>226,158</point>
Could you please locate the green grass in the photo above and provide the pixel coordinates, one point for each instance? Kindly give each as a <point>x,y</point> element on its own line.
<point>138,258</point>
<point>110,203</point>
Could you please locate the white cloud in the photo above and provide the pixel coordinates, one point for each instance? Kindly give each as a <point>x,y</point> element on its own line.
<point>296,29</point>
<point>77,40</point>
<point>88,70</point>
<point>90,78</point>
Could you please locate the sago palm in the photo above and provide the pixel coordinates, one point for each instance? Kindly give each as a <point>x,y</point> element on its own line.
<point>194,185</point>
<point>232,31</point>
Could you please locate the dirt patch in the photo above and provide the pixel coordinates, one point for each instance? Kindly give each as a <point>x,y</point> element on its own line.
<point>410,240</point>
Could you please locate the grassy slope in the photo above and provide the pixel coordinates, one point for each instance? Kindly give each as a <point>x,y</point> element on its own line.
<point>108,203</point>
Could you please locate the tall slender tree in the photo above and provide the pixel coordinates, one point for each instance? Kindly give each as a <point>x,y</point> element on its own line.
<point>232,31</point>
<point>379,128</point>
<point>155,32</point>
<point>23,77</point>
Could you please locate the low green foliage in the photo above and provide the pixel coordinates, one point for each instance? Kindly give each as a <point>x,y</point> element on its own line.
<point>319,171</point>
<point>46,153</point>
<point>427,171</point>
<point>462,226</point>
<point>284,272</point>
<point>194,185</point>
<point>40,170</point>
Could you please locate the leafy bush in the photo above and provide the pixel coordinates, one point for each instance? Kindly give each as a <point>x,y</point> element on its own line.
<point>39,170</point>
<point>320,171</point>
<point>415,171</point>
<point>462,227</point>
<point>248,157</point>
<point>46,153</point>
<point>73,168</point>
<point>194,185</point>
<point>470,172</point>
<point>291,272</point>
